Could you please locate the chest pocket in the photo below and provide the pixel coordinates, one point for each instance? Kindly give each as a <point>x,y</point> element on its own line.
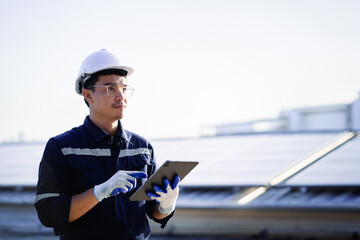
<point>84,173</point>
<point>140,162</point>
<point>143,163</point>
<point>83,162</point>
<point>135,159</point>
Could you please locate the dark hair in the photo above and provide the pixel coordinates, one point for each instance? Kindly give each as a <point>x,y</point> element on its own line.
<point>95,77</point>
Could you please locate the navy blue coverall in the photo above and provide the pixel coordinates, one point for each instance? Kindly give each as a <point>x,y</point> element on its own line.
<point>81,158</point>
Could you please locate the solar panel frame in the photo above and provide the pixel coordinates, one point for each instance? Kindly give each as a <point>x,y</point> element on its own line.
<point>340,168</point>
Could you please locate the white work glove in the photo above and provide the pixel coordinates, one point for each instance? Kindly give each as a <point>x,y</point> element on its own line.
<point>166,198</point>
<point>122,181</point>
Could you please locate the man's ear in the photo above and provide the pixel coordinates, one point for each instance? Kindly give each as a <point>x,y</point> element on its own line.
<point>87,95</point>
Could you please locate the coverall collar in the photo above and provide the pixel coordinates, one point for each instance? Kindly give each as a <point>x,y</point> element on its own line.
<point>99,135</point>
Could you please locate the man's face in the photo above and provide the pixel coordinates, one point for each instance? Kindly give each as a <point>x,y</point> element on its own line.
<point>109,108</point>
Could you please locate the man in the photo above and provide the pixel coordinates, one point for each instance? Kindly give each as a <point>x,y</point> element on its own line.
<point>87,174</point>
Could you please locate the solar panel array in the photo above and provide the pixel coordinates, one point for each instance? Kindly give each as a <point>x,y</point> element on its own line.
<point>250,160</point>
<point>247,160</point>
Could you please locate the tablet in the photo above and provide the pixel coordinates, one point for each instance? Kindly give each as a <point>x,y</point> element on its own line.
<point>168,170</point>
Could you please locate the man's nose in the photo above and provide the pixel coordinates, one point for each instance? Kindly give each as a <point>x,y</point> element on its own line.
<point>120,95</point>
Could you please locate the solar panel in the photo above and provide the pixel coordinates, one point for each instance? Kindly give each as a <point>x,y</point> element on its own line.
<point>250,160</point>
<point>339,168</point>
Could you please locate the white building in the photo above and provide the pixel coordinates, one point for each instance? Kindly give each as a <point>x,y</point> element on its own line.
<point>331,118</point>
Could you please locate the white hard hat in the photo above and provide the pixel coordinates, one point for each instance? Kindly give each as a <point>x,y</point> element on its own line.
<point>96,62</point>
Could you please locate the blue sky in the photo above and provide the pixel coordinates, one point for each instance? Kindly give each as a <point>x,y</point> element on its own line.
<point>196,63</point>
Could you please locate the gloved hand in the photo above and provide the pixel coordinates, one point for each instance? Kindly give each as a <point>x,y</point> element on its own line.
<point>166,198</point>
<point>122,181</point>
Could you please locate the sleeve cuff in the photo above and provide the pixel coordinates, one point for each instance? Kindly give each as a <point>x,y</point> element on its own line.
<point>63,213</point>
<point>163,222</point>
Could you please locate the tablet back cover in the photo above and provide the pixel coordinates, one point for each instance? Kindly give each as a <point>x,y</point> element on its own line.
<point>168,170</point>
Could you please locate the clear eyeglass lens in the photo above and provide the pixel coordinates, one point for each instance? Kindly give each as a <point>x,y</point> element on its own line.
<point>126,90</point>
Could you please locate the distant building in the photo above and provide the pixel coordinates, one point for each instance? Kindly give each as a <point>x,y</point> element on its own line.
<point>331,118</point>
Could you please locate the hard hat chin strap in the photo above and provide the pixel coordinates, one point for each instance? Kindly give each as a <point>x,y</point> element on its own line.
<point>85,76</point>
<point>81,86</point>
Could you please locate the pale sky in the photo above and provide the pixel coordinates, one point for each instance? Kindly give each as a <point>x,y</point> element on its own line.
<point>196,62</point>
